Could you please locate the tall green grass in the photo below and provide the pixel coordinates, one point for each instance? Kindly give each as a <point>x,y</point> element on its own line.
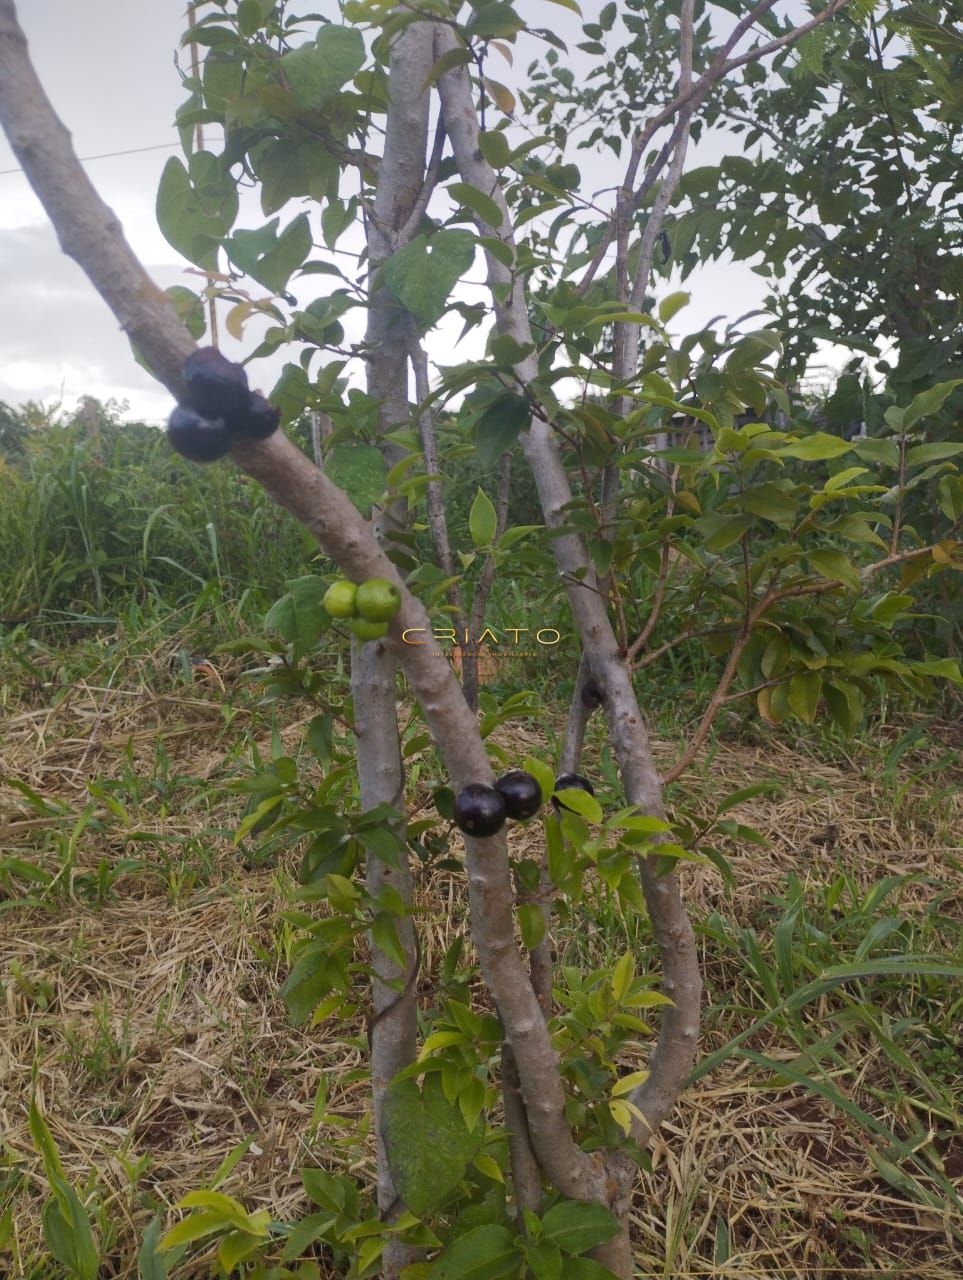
<point>91,524</point>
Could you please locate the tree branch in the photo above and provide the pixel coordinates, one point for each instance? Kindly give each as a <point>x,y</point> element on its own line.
<point>676,1046</point>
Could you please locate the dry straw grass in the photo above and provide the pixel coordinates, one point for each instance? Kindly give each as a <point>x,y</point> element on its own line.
<point>156,1033</point>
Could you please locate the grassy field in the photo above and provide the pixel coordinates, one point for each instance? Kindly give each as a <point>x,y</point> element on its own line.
<point>141,952</point>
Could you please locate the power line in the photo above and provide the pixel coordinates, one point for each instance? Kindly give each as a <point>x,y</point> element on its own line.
<point>108,155</point>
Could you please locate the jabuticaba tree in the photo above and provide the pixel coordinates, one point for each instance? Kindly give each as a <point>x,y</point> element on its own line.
<point>394,124</point>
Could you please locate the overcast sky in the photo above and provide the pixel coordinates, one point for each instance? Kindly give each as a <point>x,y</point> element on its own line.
<point>108,67</point>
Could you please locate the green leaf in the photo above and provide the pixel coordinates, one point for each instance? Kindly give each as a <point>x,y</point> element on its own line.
<point>671,305</point>
<point>269,258</point>
<point>543,774</point>
<point>422,274</point>
<point>507,352</point>
<point>293,167</point>
<point>532,924</point>
<point>771,503</point>
<point>428,1143</point>
<point>189,308</point>
<point>250,17</point>
<point>151,1264</point>
<point>576,1226</point>
<point>752,350</point>
<point>949,495</point>
<point>459,57</point>
<point>834,565</point>
<point>43,1141</point>
<point>68,1232</point>
<point>882,451</point>
<point>300,616</point>
<point>309,1230</point>
<point>334,1192</point>
<point>929,402</point>
<point>477,201</point>
<point>804,690</point>
<point>544,1260</point>
<point>230,1209</point>
<point>586,1269</point>
<point>492,143</point>
<point>230,1161</point>
<point>484,1253</point>
<point>358,469</point>
<point>498,427</point>
<point>494,19</point>
<point>195,1227</point>
<point>922,454</point>
<point>307,984</point>
<point>384,934</point>
<point>580,802</point>
<point>315,72</point>
<point>844,703</point>
<point>195,209</point>
<point>482,520</point>
<point>235,1247</point>
<point>944,668</point>
<point>498,249</point>
<point>623,976</point>
<point>720,532</point>
<point>819,447</point>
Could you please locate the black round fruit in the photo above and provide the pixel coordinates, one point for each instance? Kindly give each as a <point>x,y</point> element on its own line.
<point>479,810</point>
<point>196,438</point>
<point>569,782</point>
<point>521,793</point>
<point>216,386</point>
<point>258,421</point>
<point>592,694</point>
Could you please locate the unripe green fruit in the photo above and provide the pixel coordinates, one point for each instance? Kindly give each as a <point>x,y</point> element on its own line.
<point>339,599</point>
<point>378,600</point>
<point>365,629</point>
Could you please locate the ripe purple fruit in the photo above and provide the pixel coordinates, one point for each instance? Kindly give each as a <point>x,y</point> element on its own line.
<point>216,386</point>
<point>569,782</point>
<point>197,438</point>
<point>479,810</point>
<point>258,421</point>
<point>521,793</point>
<point>591,694</point>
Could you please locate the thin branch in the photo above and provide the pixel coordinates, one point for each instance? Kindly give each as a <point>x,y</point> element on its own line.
<point>526,1175</point>
<point>471,656</point>
<point>427,187</point>
<point>656,218</point>
<point>437,518</point>
<point>665,561</point>
<point>654,655</point>
<point>764,50</point>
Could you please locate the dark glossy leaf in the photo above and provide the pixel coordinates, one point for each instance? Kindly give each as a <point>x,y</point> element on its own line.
<point>422,274</point>
<point>429,1145</point>
<point>358,469</point>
